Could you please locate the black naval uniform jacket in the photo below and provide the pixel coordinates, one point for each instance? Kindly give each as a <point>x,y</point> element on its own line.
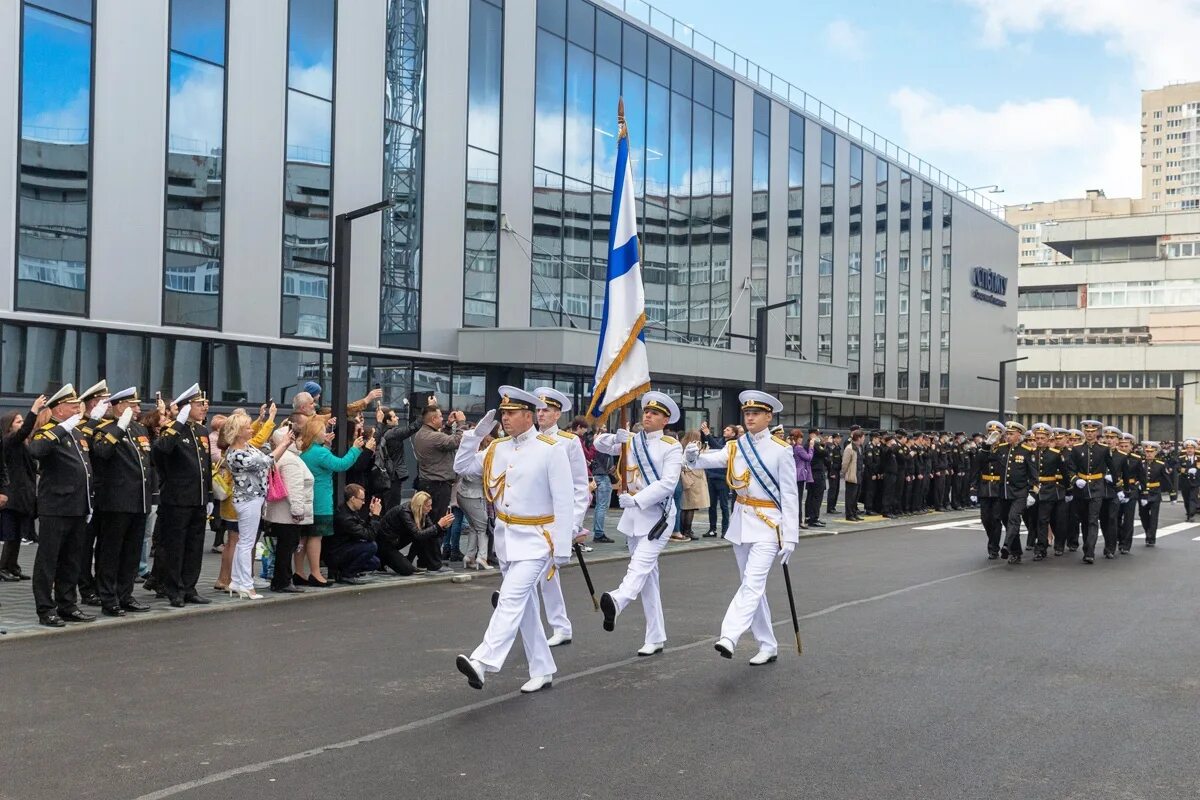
<point>1014,465</point>
<point>65,470</point>
<point>1091,462</point>
<point>985,478</point>
<point>1127,476</point>
<point>1188,482</point>
<point>1153,476</point>
<point>1051,472</point>
<point>124,473</point>
<point>183,465</point>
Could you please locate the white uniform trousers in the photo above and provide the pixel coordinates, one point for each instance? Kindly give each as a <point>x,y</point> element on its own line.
<point>749,609</point>
<point>552,599</point>
<point>641,578</point>
<point>517,610</point>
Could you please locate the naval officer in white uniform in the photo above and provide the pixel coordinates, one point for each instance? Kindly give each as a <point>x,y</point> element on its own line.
<point>652,463</point>
<point>556,404</point>
<point>526,477</point>
<point>761,471</point>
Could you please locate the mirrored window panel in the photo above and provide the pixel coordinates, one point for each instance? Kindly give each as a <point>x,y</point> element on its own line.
<point>481,274</point>
<point>55,157</point>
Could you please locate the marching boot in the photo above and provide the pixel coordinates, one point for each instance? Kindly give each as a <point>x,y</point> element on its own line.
<point>724,647</point>
<point>473,671</point>
<point>765,655</point>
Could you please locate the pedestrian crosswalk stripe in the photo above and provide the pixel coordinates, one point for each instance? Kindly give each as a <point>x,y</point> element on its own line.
<point>1178,527</point>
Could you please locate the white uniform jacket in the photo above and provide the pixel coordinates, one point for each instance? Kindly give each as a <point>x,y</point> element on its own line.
<point>755,516</point>
<point>579,471</point>
<point>650,494</point>
<point>527,480</point>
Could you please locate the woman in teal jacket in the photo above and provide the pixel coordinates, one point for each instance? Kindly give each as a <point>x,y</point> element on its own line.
<point>322,463</point>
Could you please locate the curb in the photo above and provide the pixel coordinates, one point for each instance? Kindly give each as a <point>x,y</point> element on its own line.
<point>268,599</point>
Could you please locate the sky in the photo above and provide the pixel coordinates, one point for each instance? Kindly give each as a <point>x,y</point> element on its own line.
<point>1039,96</point>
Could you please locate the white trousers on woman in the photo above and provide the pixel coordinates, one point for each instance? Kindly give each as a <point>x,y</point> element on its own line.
<point>518,610</point>
<point>641,578</point>
<point>749,609</point>
<point>249,513</point>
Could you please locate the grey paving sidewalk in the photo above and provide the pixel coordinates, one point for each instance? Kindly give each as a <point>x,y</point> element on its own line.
<point>18,617</point>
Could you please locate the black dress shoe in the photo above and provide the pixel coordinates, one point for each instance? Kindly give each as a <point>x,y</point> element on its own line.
<point>5,575</point>
<point>1089,560</point>
<point>604,540</point>
<point>709,535</point>
<point>457,555</point>
<point>1149,544</point>
<point>1058,551</point>
<point>135,606</point>
<point>287,590</point>
<point>52,621</point>
<point>1109,555</point>
<point>320,584</point>
<point>495,599</point>
<point>77,616</point>
<point>92,600</point>
<point>1004,552</point>
<point>1073,549</point>
<point>609,609</point>
<point>196,600</point>
<point>176,602</point>
<point>1039,556</point>
<point>112,611</point>
<point>993,556</point>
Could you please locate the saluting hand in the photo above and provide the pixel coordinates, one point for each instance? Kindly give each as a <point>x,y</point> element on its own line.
<point>126,417</point>
<point>184,412</point>
<point>38,404</point>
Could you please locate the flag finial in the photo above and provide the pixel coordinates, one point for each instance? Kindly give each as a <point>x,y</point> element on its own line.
<point>622,130</point>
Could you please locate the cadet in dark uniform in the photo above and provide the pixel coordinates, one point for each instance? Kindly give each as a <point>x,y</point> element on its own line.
<point>184,468</point>
<point>1170,456</point>
<point>1128,485</point>
<point>124,481</point>
<point>889,468</point>
<point>1151,482</point>
<point>1076,526</point>
<point>64,500</point>
<point>1088,467</point>
<point>1189,477</point>
<point>1050,489</point>
<point>95,400</point>
<point>1012,461</point>
<point>1109,510</point>
<point>985,487</point>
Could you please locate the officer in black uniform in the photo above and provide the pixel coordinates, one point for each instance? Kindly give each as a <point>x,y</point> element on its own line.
<point>985,488</point>
<point>872,493</point>
<point>184,468</point>
<point>1169,453</point>
<point>1110,509</point>
<point>1012,461</point>
<point>1128,486</point>
<point>124,487</point>
<point>95,400</point>
<point>1151,482</point>
<point>1189,477</point>
<point>1051,488</point>
<point>64,501</point>
<point>1089,469</point>
<point>890,469</point>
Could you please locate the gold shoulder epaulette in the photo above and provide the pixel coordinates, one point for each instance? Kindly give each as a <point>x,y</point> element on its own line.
<point>777,440</point>
<point>1159,461</point>
<point>1027,447</point>
<point>1055,450</point>
<point>45,432</point>
<point>567,435</point>
<point>670,440</point>
<point>547,439</point>
<point>1135,455</point>
<point>111,439</point>
<point>104,423</point>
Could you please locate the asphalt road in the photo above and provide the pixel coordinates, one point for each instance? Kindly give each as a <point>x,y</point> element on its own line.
<point>928,672</point>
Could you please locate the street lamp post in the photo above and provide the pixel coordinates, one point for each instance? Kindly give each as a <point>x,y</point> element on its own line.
<point>341,319</point>
<point>760,343</point>
<point>1004,363</point>
<point>1179,409</point>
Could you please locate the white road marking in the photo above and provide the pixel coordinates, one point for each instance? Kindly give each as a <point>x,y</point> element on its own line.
<point>1178,527</point>
<point>218,777</point>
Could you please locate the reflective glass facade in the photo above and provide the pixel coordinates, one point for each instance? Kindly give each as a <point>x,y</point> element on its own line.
<point>854,273</point>
<point>902,325</point>
<point>481,274</point>
<point>944,335</point>
<point>760,206</point>
<point>54,198</point>
<point>403,151</point>
<point>308,169</point>
<point>825,249</point>
<point>679,114</point>
<point>926,331</point>
<point>795,235</point>
<point>195,189</point>
<point>879,378</point>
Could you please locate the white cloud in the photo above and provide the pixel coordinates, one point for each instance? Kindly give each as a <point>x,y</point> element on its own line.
<point>71,116</point>
<point>1035,149</point>
<point>1158,36</point>
<point>844,38</point>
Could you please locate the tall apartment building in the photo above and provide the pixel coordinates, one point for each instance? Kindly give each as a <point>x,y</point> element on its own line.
<point>1171,147</point>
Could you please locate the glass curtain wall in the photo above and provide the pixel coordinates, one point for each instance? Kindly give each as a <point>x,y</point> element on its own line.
<point>481,276</point>
<point>195,189</point>
<point>308,169</point>
<point>679,114</point>
<point>854,273</point>
<point>902,325</point>
<point>926,331</point>
<point>825,265</point>
<point>879,379</point>
<point>944,351</point>
<point>403,148</point>
<point>760,206</point>
<point>54,198</point>
<point>795,241</point>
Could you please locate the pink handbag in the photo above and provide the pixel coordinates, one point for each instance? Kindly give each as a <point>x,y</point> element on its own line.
<point>276,488</point>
